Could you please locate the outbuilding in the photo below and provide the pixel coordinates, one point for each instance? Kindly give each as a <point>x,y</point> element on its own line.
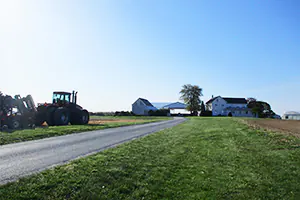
<point>142,107</point>
<point>291,115</point>
<point>177,108</point>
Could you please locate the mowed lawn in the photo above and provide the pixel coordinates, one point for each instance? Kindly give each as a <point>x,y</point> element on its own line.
<point>95,117</point>
<point>203,158</point>
<point>100,123</point>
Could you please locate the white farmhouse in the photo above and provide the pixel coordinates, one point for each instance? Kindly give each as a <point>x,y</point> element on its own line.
<point>142,107</point>
<point>224,106</point>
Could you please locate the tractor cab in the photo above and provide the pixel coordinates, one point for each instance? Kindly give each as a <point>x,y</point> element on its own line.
<point>63,98</point>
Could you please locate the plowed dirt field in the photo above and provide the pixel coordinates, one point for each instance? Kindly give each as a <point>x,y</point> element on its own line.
<point>284,126</point>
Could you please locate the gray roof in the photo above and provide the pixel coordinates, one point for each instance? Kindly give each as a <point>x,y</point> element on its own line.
<point>176,105</point>
<point>230,100</point>
<point>235,100</point>
<point>291,113</point>
<point>146,102</point>
<point>160,105</point>
<point>212,99</point>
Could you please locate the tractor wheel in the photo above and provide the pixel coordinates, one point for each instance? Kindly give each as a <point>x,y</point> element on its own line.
<point>81,117</point>
<point>4,128</point>
<point>85,117</point>
<point>61,116</point>
<point>50,116</point>
<point>75,117</point>
<point>14,124</point>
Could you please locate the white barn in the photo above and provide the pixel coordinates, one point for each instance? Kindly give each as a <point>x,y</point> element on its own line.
<point>177,108</point>
<point>224,106</point>
<point>291,115</point>
<point>142,107</point>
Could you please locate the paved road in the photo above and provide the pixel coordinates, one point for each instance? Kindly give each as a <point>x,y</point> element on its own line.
<point>21,159</point>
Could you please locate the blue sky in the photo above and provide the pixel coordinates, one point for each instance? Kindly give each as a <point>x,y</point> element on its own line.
<point>113,52</point>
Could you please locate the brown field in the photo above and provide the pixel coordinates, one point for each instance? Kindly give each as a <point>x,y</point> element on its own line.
<point>285,126</point>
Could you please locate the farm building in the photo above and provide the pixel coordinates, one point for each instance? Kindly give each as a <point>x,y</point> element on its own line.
<point>224,106</point>
<point>142,107</point>
<point>291,115</point>
<point>177,108</point>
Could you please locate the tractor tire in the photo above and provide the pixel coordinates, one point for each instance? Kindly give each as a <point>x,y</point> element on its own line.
<point>14,124</point>
<point>85,117</point>
<point>75,117</point>
<point>81,117</point>
<point>50,116</point>
<point>61,116</point>
<point>4,128</point>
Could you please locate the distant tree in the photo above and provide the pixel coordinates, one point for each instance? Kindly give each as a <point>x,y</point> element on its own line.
<point>190,94</point>
<point>202,107</point>
<point>261,108</point>
<point>251,99</point>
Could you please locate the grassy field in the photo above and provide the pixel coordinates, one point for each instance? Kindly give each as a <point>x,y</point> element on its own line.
<point>39,133</point>
<point>204,158</point>
<point>128,117</point>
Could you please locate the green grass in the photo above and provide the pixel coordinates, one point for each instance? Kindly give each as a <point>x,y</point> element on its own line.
<point>39,133</point>
<point>204,158</point>
<point>130,117</point>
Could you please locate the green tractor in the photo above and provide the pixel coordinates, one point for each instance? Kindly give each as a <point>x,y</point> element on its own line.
<point>62,111</point>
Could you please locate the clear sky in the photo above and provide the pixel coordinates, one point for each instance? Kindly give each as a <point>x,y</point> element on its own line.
<point>114,51</point>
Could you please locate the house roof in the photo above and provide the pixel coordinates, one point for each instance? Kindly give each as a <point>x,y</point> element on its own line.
<point>291,113</point>
<point>230,100</point>
<point>176,105</point>
<point>146,102</point>
<point>211,100</point>
<point>236,100</point>
<point>160,105</point>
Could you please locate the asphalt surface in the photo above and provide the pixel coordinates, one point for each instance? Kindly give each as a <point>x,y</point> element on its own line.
<point>25,158</point>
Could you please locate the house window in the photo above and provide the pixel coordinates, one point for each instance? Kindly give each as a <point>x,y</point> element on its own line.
<point>246,112</point>
<point>232,112</point>
<point>223,105</point>
<point>217,100</point>
<point>216,104</point>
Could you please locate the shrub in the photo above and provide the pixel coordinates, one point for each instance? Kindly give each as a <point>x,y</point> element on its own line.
<point>102,113</point>
<point>206,113</point>
<point>124,113</point>
<point>161,112</point>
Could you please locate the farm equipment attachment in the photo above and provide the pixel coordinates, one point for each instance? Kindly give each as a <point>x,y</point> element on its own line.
<point>17,112</point>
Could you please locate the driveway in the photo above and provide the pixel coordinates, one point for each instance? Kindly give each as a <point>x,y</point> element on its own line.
<point>21,159</point>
